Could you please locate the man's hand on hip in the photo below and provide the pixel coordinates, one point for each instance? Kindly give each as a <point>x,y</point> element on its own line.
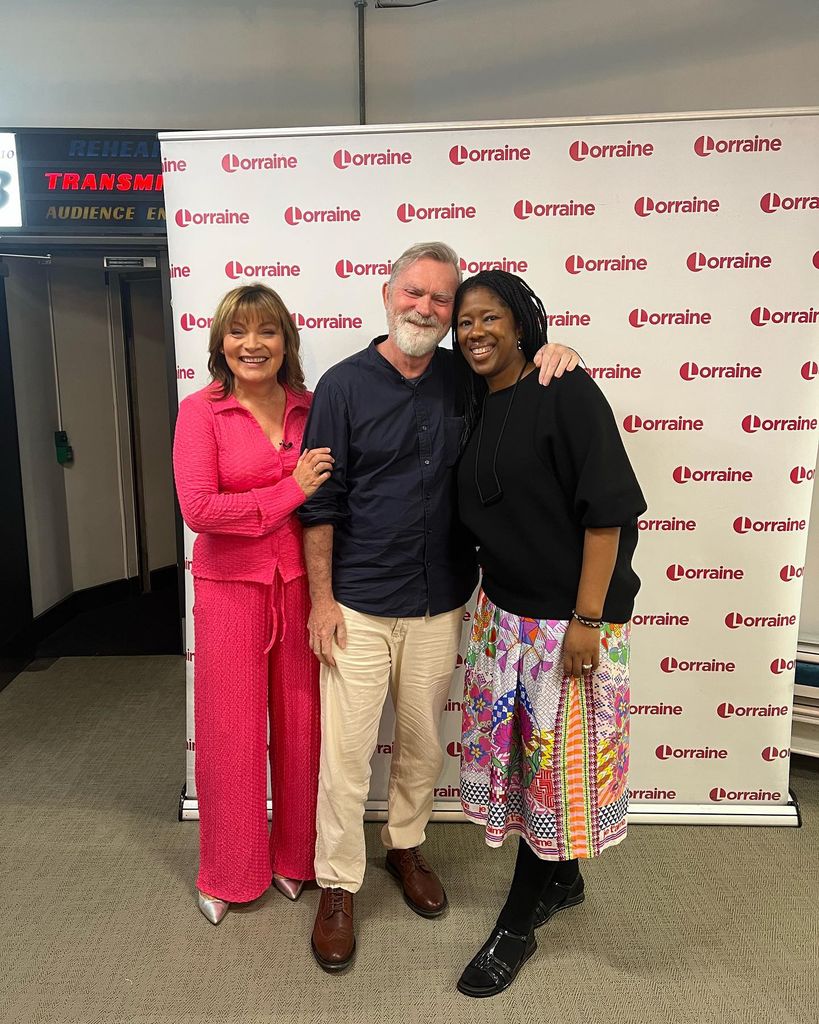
<point>326,623</point>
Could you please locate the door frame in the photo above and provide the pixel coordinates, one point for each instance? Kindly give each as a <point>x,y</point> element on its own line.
<point>17,570</point>
<point>88,245</point>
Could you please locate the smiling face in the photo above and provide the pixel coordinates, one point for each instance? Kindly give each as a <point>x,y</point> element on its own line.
<point>253,351</point>
<point>488,337</point>
<point>419,305</point>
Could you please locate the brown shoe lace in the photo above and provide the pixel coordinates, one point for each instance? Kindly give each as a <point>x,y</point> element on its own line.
<point>418,860</point>
<point>337,900</point>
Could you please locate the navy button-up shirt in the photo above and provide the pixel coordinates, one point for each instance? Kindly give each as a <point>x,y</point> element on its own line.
<point>398,549</point>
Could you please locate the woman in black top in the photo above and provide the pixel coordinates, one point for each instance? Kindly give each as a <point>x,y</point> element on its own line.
<point>547,490</point>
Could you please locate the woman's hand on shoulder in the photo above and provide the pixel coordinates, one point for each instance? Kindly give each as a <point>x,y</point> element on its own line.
<point>313,468</point>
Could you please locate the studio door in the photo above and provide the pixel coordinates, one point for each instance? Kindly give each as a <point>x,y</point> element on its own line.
<point>140,297</point>
<point>91,357</point>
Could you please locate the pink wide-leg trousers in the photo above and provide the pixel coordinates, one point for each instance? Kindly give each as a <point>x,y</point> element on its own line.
<point>238,688</point>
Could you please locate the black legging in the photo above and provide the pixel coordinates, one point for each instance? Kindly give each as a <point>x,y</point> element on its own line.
<point>531,878</point>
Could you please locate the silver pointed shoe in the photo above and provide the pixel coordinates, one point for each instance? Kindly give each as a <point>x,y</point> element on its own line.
<point>213,909</point>
<point>289,887</point>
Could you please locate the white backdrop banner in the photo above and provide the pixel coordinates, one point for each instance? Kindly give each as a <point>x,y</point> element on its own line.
<point>679,257</point>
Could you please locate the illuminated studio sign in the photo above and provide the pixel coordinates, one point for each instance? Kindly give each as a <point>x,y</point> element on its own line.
<point>91,182</point>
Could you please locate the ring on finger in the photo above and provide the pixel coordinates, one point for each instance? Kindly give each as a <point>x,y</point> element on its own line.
<point>587,666</point>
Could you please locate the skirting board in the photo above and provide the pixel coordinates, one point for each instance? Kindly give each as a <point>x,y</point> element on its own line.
<point>639,813</point>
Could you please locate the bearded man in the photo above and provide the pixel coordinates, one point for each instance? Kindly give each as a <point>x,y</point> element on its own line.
<point>390,571</point>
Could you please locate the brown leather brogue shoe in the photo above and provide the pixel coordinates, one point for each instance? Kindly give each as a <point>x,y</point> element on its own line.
<point>333,940</point>
<point>422,888</point>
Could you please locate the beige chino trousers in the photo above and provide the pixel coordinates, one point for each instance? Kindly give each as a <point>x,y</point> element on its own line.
<point>414,659</point>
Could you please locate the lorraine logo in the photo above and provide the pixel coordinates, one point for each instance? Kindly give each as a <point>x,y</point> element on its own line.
<point>801,474</point>
<point>780,665</point>
<point>576,264</point>
<point>343,158</point>
<point>676,572</point>
<point>460,155</point>
<point>407,212</point>
<point>772,202</point>
<point>809,370</point>
<point>184,217</point>
<point>679,318</point>
<point>691,371</point>
<point>671,664</point>
<point>453,749</point>
<point>728,475</point>
<point>235,270</point>
<point>727,710</point>
<point>190,321</point>
<point>295,215</point>
<point>634,423</point>
<point>761,316</point>
<point>791,572</point>
<point>346,268</point>
<point>231,163</point>
<point>173,166</point>
<point>719,793</point>
<point>744,524</point>
<point>734,620</point>
<point>698,261</point>
<point>664,751</point>
<point>525,208</point>
<point>336,322</point>
<point>516,266</point>
<point>706,145</point>
<point>775,753</point>
<point>580,150</point>
<point>752,423</point>
<point>645,206</point>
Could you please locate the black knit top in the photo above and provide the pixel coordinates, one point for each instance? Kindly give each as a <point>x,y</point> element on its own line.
<point>562,467</point>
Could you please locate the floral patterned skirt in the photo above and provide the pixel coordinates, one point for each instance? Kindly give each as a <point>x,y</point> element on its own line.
<point>542,754</point>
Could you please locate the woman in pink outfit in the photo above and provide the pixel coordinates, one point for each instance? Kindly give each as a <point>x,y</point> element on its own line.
<point>240,476</point>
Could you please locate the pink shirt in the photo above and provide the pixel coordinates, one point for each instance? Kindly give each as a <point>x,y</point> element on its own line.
<point>236,490</point>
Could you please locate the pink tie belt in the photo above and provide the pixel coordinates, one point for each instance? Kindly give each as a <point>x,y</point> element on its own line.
<point>278,618</point>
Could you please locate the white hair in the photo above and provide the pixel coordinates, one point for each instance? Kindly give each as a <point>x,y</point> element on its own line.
<point>439,251</point>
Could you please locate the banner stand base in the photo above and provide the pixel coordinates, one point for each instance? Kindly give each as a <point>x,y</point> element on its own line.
<point>717,814</point>
<point>786,815</point>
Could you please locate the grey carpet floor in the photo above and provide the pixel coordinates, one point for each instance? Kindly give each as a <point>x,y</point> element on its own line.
<point>98,924</point>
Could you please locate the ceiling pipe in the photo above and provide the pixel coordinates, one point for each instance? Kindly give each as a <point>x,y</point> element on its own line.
<point>362,66</point>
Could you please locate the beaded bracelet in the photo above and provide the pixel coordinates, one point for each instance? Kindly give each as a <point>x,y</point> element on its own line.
<point>591,623</point>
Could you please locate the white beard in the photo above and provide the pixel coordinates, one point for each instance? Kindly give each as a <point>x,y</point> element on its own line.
<point>415,338</point>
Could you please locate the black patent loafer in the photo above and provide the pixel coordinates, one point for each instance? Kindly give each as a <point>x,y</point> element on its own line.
<point>497,963</point>
<point>559,897</point>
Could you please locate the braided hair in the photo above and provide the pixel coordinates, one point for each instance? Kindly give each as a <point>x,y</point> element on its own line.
<point>530,318</point>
